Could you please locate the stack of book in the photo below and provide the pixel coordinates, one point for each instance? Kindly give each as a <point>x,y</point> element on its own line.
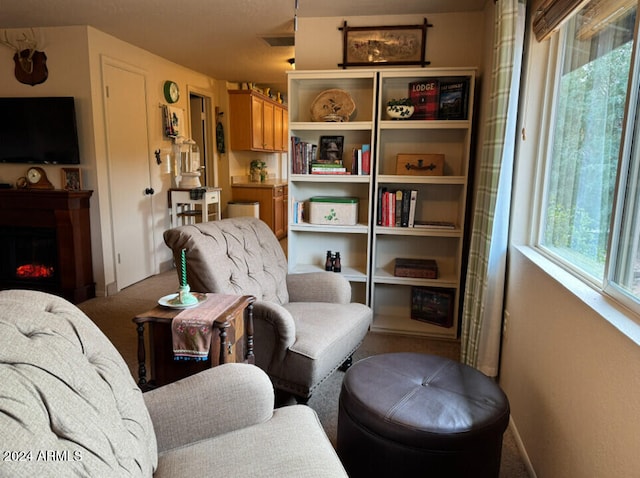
<point>322,167</point>
<point>434,225</point>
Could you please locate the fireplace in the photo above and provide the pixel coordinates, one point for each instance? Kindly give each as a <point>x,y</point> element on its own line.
<point>45,242</point>
<point>28,256</point>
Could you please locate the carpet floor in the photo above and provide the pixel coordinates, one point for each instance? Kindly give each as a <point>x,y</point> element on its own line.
<point>113,315</point>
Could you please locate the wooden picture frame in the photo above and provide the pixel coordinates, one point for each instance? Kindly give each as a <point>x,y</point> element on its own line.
<point>330,149</point>
<point>384,45</point>
<point>433,305</point>
<point>71,179</point>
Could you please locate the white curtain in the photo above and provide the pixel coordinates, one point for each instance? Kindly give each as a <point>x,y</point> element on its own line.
<point>484,290</point>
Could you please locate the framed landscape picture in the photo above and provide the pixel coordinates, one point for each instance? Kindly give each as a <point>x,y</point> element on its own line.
<point>384,45</point>
<point>433,305</point>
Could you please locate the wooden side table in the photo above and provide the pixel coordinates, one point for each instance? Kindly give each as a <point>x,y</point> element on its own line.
<point>231,341</point>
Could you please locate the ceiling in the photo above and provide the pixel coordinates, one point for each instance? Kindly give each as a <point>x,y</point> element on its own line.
<point>224,39</point>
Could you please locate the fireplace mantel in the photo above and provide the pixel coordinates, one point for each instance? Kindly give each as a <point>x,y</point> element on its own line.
<point>68,213</point>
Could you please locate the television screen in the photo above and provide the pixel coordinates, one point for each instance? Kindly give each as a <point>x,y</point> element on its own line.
<point>38,130</point>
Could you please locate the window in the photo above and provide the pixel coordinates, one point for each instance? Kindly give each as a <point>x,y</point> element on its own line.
<point>587,145</point>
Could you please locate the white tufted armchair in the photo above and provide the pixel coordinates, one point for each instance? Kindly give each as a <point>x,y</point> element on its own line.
<point>305,325</point>
<point>70,407</point>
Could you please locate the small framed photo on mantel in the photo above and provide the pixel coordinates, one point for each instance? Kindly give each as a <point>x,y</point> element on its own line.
<point>71,179</point>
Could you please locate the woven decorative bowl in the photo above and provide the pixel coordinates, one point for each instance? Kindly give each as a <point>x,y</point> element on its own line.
<point>335,106</point>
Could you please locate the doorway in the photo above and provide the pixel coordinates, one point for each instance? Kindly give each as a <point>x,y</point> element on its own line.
<point>200,118</point>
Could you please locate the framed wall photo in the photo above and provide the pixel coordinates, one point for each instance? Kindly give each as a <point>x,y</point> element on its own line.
<point>71,179</point>
<point>433,305</point>
<point>384,45</point>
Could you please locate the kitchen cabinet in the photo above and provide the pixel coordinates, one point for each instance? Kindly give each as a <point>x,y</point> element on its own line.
<point>278,126</point>
<point>257,123</point>
<point>272,195</point>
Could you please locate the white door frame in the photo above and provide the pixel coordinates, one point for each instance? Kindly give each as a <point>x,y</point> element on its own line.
<point>212,164</point>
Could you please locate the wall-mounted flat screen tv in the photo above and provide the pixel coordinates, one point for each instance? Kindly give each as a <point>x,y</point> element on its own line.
<point>38,130</point>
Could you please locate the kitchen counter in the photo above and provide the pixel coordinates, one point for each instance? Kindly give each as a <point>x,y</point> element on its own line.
<point>272,196</point>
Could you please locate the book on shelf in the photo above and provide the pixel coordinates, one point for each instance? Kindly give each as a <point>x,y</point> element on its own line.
<point>391,209</point>
<point>298,212</point>
<point>404,209</point>
<point>356,161</point>
<point>415,268</point>
<point>366,159</point>
<point>379,200</point>
<point>398,218</point>
<point>328,168</point>
<point>434,225</point>
<point>413,200</point>
<point>453,98</point>
<point>361,160</point>
<point>303,154</point>
<point>396,208</point>
<point>387,209</point>
<point>424,96</point>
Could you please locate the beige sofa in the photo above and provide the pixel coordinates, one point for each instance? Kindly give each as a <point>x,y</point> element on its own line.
<point>69,407</point>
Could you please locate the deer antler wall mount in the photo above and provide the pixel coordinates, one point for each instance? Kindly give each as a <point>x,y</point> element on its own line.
<point>30,63</point>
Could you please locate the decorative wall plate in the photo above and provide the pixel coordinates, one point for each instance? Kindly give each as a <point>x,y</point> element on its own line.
<point>333,105</point>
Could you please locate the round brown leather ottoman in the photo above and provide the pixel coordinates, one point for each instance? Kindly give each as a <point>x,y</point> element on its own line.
<point>407,414</point>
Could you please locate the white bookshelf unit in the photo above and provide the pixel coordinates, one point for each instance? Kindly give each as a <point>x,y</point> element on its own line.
<point>369,250</point>
<point>439,198</point>
<point>309,243</point>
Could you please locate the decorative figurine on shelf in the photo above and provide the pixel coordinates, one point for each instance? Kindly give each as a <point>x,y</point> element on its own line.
<point>185,297</point>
